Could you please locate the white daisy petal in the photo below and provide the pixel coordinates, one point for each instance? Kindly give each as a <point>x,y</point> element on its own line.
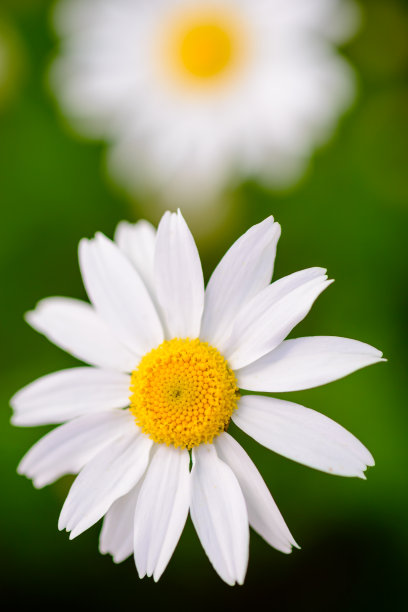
<point>117,532</point>
<point>219,514</point>
<point>264,322</point>
<point>67,394</point>
<point>112,473</point>
<point>303,435</point>
<point>68,448</point>
<point>161,510</point>
<point>179,282</point>
<point>304,363</point>
<point>119,295</point>
<point>263,513</point>
<point>244,270</point>
<point>137,241</point>
<point>77,328</point>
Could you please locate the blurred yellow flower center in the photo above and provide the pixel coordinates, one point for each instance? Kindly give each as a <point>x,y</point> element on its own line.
<point>183,393</point>
<point>202,45</point>
<point>206,49</point>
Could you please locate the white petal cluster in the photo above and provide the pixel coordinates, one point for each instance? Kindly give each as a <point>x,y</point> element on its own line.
<point>147,287</point>
<point>284,100</point>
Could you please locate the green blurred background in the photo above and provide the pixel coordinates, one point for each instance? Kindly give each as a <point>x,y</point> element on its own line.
<point>349,214</point>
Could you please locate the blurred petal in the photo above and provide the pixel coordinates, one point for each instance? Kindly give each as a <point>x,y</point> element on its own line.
<point>137,241</point>
<point>117,531</point>
<point>263,513</point>
<point>303,435</point>
<point>244,270</point>
<point>219,514</point>
<point>161,510</point>
<point>304,363</point>
<point>77,328</point>
<point>179,279</point>
<point>271,315</point>
<point>66,449</point>
<point>67,394</point>
<point>119,295</point>
<point>110,475</point>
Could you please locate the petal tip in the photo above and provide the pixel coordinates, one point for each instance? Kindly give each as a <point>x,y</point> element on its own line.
<point>83,243</point>
<point>370,461</point>
<point>18,420</point>
<point>38,483</point>
<point>100,239</point>
<point>20,469</point>
<point>269,221</point>
<point>278,228</point>
<point>13,403</point>
<point>76,531</point>
<point>294,544</point>
<point>157,574</point>
<point>30,316</point>
<point>141,573</point>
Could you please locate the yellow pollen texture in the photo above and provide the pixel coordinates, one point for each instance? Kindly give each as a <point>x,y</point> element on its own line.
<point>183,393</point>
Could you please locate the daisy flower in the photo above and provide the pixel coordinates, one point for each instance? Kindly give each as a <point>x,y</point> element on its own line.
<point>193,95</point>
<point>146,422</point>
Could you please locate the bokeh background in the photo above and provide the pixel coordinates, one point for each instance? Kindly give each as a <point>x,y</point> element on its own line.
<point>349,213</point>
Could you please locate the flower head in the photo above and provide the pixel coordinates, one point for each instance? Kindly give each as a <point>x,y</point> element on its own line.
<point>167,360</point>
<point>193,94</point>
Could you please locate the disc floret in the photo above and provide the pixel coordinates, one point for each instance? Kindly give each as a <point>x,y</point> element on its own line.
<point>183,393</point>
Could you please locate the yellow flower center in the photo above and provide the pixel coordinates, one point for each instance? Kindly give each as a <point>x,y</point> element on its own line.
<point>183,393</point>
<point>206,49</point>
<point>202,46</point>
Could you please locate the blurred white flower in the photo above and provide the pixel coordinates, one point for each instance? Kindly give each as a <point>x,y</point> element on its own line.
<point>168,359</point>
<point>193,95</point>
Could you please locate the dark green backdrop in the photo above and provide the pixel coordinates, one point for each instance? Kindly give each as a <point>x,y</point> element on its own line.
<point>349,214</point>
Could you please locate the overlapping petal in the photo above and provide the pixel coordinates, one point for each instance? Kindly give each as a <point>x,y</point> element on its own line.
<point>219,514</point>
<point>303,435</point>
<point>77,328</point>
<point>117,531</point>
<point>243,272</point>
<point>138,241</point>
<point>268,318</point>
<point>68,448</point>
<point>67,394</point>
<point>161,510</point>
<point>304,363</point>
<point>119,294</point>
<point>112,473</point>
<point>179,281</point>
<point>263,513</point>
